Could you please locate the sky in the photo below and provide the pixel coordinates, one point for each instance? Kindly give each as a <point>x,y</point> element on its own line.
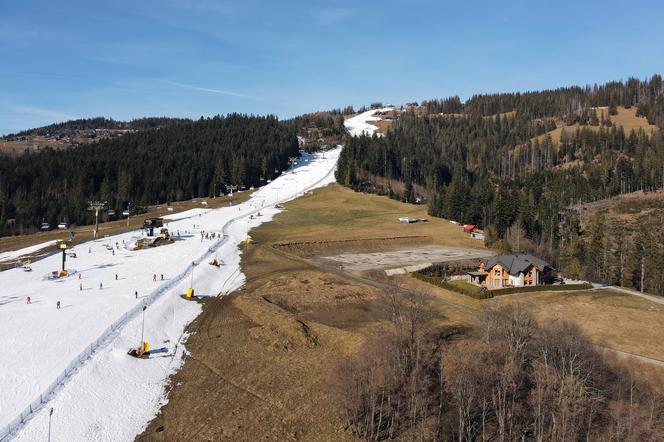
<point>183,58</point>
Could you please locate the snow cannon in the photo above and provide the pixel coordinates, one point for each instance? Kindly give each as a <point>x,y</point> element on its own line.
<point>248,240</point>
<point>215,262</point>
<point>140,351</point>
<point>190,293</point>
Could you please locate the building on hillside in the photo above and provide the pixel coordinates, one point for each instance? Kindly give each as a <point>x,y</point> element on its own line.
<point>469,228</point>
<point>477,235</point>
<point>517,270</point>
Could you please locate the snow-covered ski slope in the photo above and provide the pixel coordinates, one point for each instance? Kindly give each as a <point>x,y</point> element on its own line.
<point>106,394</point>
<point>361,123</point>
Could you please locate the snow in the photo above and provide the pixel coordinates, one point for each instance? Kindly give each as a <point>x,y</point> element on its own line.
<point>110,395</point>
<point>359,124</point>
<point>6,256</point>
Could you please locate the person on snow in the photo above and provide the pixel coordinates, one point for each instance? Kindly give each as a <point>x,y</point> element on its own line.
<point>113,252</point>
<point>101,286</point>
<point>154,277</point>
<point>80,287</point>
<point>116,276</point>
<point>29,300</point>
<point>136,294</point>
<point>57,305</point>
<point>162,276</point>
<point>79,276</point>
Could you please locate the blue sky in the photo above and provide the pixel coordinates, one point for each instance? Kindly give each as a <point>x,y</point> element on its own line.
<point>128,59</point>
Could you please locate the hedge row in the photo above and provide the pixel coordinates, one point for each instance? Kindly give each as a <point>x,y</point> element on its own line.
<point>477,294</point>
<point>541,288</point>
<point>486,294</point>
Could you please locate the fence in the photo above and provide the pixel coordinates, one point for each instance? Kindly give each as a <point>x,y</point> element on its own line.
<point>104,338</point>
<point>7,430</point>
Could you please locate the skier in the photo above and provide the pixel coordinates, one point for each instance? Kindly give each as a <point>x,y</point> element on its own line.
<point>113,252</point>
<point>57,305</point>
<point>80,287</point>
<point>89,249</point>
<point>101,286</point>
<point>154,277</point>
<point>79,276</point>
<point>116,276</point>
<point>29,300</point>
<point>162,276</point>
<point>136,294</point>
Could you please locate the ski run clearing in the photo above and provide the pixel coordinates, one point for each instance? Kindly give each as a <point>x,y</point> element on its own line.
<point>360,123</point>
<point>68,360</point>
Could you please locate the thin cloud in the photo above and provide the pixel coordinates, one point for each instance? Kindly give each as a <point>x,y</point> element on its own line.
<point>205,89</point>
<point>41,112</point>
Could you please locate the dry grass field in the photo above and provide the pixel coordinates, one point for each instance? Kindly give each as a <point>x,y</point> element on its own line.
<point>335,212</point>
<point>261,359</point>
<point>626,118</point>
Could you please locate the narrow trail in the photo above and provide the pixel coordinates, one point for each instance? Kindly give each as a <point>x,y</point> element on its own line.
<point>651,298</point>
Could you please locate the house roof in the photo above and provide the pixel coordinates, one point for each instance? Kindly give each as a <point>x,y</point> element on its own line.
<point>518,263</point>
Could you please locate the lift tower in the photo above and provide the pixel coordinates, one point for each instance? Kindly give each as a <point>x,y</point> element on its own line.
<point>97,206</point>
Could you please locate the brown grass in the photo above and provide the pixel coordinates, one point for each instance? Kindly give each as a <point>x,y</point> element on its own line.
<point>610,318</point>
<point>336,212</point>
<point>260,359</point>
<point>626,118</point>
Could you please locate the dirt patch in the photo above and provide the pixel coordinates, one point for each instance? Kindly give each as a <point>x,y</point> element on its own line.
<point>403,257</point>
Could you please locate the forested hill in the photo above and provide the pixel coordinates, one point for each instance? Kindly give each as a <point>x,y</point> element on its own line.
<point>513,163</point>
<point>100,123</point>
<point>182,160</point>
